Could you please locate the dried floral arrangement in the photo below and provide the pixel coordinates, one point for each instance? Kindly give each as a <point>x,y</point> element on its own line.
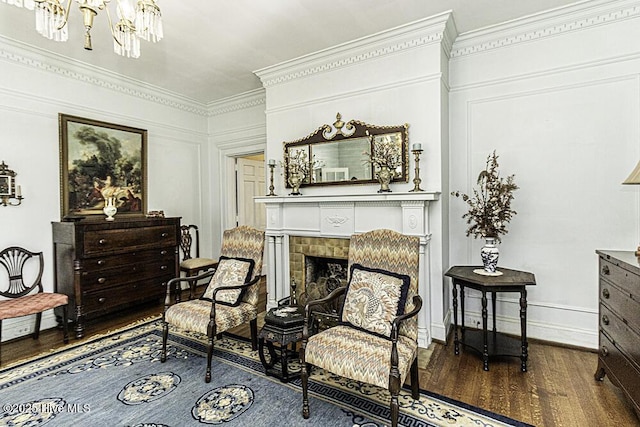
<point>490,207</point>
<point>298,162</point>
<point>386,152</point>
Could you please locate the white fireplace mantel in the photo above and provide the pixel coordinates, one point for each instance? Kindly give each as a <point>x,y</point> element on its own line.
<point>340,216</point>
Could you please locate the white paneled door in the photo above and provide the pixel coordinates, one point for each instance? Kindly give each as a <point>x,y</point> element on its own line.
<point>251,183</point>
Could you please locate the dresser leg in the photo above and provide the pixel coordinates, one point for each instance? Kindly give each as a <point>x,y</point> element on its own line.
<point>600,372</point>
<point>79,323</point>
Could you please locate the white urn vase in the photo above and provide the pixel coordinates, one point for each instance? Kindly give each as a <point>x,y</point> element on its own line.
<point>110,208</point>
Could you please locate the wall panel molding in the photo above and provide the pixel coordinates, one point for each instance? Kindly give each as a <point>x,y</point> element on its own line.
<point>359,92</point>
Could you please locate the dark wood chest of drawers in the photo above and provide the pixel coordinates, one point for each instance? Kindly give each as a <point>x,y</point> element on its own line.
<point>106,266</point>
<point>619,353</point>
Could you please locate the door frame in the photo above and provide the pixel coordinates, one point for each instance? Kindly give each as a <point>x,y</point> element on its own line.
<point>228,179</point>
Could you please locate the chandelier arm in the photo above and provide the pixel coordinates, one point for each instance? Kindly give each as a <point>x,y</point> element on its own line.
<point>113,33</point>
<point>66,15</point>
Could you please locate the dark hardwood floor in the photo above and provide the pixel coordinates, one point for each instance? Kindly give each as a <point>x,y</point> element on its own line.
<point>558,390</point>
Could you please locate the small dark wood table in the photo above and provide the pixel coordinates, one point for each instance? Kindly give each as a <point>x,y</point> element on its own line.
<point>483,342</point>
<point>282,325</point>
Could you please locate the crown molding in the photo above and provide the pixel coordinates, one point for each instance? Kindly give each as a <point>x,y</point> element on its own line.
<point>574,17</point>
<point>435,29</point>
<point>238,102</point>
<point>30,56</point>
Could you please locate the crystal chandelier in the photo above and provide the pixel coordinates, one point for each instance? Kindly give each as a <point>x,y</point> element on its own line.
<point>142,21</point>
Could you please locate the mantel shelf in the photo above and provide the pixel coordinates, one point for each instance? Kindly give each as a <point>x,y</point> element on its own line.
<point>330,198</point>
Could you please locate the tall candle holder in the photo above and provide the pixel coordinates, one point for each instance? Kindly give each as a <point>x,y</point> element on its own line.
<point>417,150</point>
<point>272,165</point>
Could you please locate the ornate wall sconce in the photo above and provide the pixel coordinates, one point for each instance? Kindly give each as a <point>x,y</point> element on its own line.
<point>8,188</point>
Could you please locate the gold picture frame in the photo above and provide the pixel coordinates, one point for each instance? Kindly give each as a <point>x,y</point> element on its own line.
<point>100,160</point>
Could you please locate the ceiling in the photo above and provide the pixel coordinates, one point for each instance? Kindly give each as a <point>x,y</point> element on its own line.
<point>211,48</point>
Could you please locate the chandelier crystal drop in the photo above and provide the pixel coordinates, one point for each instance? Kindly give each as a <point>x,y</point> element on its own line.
<point>137,19</point>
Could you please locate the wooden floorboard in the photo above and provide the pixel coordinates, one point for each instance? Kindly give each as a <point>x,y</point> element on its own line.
<point>558,389</point>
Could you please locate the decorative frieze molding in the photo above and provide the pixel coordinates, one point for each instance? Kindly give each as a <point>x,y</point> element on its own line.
<point>33,57</point>
<point>565,19</point>
<point>436,29</point>
<point>239,102</point>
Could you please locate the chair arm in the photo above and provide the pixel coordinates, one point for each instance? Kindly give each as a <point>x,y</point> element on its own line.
<point>394,373</point>
<point>307,308</point>
<point>395,326</point>
<point>174,289</point>
<point>226,288</point>
<point>212,314</point>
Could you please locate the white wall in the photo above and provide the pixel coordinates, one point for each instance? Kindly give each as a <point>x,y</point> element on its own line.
<point>34,88</point>
<point>558,97</point>
<point>237,127</point>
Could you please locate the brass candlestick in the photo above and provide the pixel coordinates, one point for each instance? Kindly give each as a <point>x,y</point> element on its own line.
<point>272,165</point>
<point>417,149</point>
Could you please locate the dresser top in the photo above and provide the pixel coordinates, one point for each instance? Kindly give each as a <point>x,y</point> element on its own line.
<point>626,259</point>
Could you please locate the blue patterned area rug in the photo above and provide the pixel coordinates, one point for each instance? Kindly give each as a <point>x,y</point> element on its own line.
<point>118,380</point>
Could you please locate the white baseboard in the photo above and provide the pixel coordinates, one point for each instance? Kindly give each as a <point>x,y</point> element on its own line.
<point>23,326</point>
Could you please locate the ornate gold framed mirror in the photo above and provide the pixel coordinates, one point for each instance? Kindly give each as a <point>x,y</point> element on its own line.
<point>341,154</point>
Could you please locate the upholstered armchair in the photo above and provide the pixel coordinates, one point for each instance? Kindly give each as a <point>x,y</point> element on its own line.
<point>375,341</point>
<point>231,298</point>
<point>23,299</point>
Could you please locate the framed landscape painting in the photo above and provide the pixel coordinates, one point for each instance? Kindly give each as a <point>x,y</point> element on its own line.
<point>101,161</point>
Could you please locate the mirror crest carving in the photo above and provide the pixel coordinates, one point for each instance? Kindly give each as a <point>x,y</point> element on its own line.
<point>339,154</point>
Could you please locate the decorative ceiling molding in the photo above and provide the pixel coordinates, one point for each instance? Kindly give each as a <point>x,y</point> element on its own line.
<point>238,102</point>
<point>33,57</point>
<point>565,19</point>
<point>436,29</point>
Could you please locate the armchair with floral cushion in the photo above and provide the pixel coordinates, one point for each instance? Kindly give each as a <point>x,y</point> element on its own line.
<point>231,298</point>
<point>375,341</point>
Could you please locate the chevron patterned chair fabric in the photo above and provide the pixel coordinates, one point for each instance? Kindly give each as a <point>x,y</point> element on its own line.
<point>231,298</point>
<point>376,339</point>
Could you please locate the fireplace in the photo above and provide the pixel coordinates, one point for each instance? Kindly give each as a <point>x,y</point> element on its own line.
<point>300,229</point>
<point>314,260</point>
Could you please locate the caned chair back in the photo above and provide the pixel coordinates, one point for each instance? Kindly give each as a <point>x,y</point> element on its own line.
<point>395,252</point>
<point>245,242</point>
<point>14,259</point>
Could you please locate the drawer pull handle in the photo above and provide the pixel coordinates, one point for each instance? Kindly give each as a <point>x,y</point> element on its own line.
<point>163,252</point>
<point>101,280</point>
<point>605,293</point>
<point>164,267</point>
<point>605,319</point>
<point>102,300</point>
<point>101,262</point>
<point>165,234</point>
<point>604,351</point>
<point>102,241</point>
<point>605,270</point>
